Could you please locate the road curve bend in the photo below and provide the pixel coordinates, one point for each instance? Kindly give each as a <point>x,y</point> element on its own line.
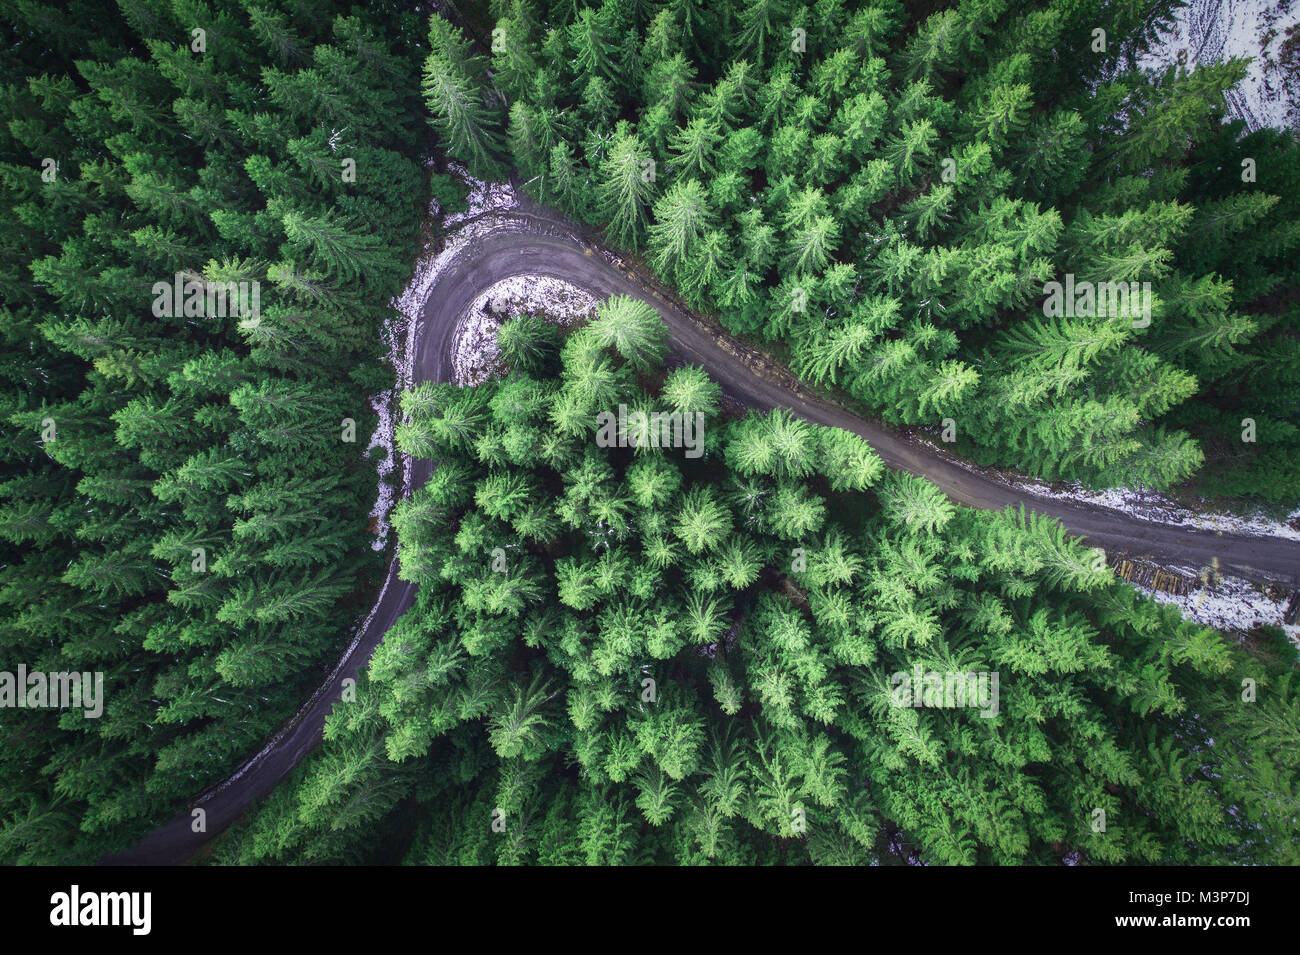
<point>535,241</point>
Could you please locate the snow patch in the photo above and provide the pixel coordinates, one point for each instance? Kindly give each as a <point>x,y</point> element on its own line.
<point>1141,503</point>
<point>1210,31</point>
<point>398,335</point>
<point>382,405</point>
<point>475,355</point>
<point>1230,604</point>
<point>1148,505</point>
<point>484,197</point>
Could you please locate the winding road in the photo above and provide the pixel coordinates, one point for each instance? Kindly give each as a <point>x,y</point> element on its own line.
<point>534,241</point>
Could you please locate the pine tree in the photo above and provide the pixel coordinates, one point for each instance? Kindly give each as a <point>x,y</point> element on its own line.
<point>624,190</point>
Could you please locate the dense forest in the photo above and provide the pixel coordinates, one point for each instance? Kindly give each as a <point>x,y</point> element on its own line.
<point>622,652</point>
<point>184,499</point>
<point>883,196</point>
<point>630,655</point>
